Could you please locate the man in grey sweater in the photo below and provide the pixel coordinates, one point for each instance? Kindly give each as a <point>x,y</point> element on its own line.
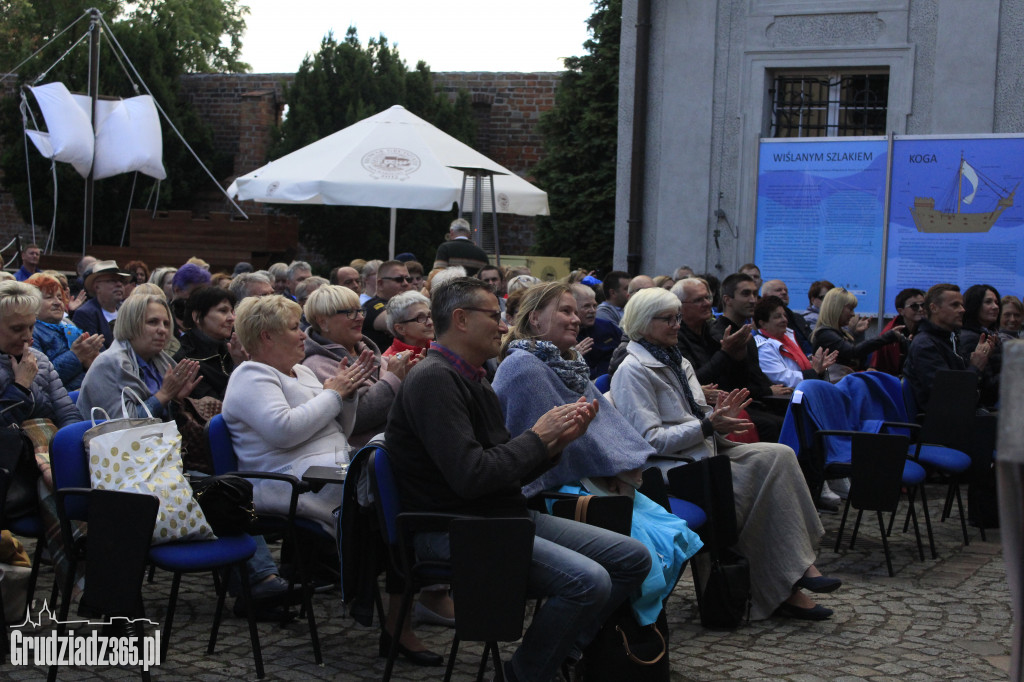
<point>452,453</point>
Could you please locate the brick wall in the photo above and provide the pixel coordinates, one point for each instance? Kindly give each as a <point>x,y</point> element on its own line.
<point>242,109</point>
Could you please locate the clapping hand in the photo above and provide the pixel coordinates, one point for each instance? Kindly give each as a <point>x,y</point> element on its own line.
<point>724,417</point>
<point>981,354</point>
<point>585,345</point>
<point>822,359</point>
<point>179,381</point>
<point>350,376</point>
<point>562,424</point>
<point>735,343</point>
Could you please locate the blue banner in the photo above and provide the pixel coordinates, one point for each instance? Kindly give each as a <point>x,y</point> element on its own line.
<point>820,215</point>
<point>954,215</point>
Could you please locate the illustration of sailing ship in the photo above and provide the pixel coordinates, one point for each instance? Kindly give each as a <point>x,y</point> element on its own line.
<point>929,219</point>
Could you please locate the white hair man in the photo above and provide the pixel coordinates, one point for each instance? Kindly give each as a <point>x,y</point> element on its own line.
<point>460,249</point>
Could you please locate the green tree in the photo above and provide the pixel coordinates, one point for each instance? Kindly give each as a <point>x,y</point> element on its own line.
<point>164,39</point>
<point>580,140</point>
<point>342,84</point>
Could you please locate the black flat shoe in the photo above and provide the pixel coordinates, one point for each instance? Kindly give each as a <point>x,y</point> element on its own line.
<point>820,584</point>
<point>424,658</point>
<point>816,612</point>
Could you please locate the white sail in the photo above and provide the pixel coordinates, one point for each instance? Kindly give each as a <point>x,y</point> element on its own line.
<point>70,138</point>
<point>971,176</point>
<point>127,136</point>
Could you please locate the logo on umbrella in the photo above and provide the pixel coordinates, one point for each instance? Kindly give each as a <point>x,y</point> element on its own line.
<point>390,163</point>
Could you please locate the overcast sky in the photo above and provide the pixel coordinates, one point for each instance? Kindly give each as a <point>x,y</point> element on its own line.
<point>449,35</point>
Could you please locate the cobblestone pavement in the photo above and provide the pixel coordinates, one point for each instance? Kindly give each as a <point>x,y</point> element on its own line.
<point>944,619</point>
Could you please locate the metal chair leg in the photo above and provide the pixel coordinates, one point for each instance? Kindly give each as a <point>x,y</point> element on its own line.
<point>451,659</point>
<point>250,612</point>
<point>928,522</point>
<point>169,617</point>
<point>885,543</point>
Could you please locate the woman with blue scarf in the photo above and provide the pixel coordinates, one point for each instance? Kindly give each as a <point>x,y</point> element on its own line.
<point>540,368</point>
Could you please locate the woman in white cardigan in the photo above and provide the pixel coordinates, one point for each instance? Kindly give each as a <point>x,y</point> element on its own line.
<point>657,391</point>
<point>281,418</point>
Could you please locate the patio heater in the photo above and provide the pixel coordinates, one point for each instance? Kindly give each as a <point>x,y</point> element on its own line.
<point>478,184</point>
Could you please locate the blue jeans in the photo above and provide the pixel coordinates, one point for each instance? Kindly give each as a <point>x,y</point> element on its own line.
<point>584,571</point>
<point>260,566</point>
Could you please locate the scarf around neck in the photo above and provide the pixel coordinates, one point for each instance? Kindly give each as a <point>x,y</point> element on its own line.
<point>574,373</point>
<point>789,349</point>
<point>672,357</point>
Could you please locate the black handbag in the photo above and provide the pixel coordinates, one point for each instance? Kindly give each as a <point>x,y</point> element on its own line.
<point>622,649</point>
<point>625,650</point>
<point>227,503</point>
<point>17,457</point>
<point>725,601</point>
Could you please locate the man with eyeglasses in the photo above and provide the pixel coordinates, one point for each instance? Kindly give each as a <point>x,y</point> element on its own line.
<point>392,279</point>
<point>909,312</point>
<point>452,453</point>
<point>776,287</point>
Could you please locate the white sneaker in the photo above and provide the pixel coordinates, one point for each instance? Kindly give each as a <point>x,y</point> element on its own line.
<point>840,486</point>
<point>828,501</point>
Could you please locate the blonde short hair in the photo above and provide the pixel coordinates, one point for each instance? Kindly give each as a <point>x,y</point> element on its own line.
<point>258,314</point>
<point>131,316</point>
<point>18,298</point>
<point>326,301</point>
<point>643,306</point>
<point>148,289</point>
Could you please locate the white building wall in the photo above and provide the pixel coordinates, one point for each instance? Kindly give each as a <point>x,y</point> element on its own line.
<point>954,67</point>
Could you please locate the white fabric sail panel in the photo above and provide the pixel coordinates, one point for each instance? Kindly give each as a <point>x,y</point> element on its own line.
<point>128,138</point>
<point>70,137</point>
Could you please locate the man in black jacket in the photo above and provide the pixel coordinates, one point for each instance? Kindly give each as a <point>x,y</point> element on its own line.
<point>934,347</point>
<point>739,296</point>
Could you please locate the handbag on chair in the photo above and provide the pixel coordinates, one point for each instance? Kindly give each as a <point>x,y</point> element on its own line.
<point>144,455</point>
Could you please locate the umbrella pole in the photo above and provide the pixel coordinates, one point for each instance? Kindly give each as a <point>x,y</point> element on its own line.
<point>391,240</point>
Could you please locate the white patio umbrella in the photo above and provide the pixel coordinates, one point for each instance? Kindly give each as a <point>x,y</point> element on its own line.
<point>394,160</point>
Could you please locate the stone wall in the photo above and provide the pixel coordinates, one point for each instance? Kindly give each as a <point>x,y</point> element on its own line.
<point>243,108</point>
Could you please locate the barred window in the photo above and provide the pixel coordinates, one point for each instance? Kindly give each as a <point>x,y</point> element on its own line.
<point>829,104</point>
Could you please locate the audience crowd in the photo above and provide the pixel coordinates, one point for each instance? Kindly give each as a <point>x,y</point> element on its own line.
<point>308,369</point>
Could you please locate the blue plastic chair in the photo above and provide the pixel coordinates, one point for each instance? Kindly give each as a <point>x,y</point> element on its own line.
<point>71,470</point>
<point>398,529</point>
<point>74,396</point>
<point>603,383</point>
<point>302,533</point>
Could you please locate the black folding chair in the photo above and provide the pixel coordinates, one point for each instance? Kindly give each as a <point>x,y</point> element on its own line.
<point>490,571</point>
<point>120,530</point>
<point>877,474</point>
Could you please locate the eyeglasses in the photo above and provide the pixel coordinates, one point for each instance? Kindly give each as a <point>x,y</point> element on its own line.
<point>422,318</point>
<point>399,278</point>
<point>915,306</point>
<point>493,314</point>
<point>351,313</point>
<point>669,319</point>
<point>698,300</point>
